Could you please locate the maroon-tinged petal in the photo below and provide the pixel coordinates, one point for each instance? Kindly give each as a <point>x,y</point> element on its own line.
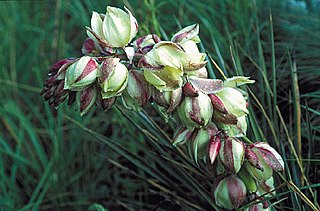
<point>54,69</point>
<point>176,97</point>
<point>253,159</point>
<point>217,104</point>
<point>270,156</point>
<point>230,193</point>
<point>225,118</point>
<point>88,46</point>
<point>186,33</point>
<point>205,85</point>
<point>232,154</point>
<point>189,90</point>
<point>237,192</point>
<point>91,66</point>
<point>138,87</point>
<point>214,148</point>
<point>87,99</point>
<point>102,42</point>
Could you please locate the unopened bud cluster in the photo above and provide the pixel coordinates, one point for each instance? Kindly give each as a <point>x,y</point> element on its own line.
<point>173,76</point>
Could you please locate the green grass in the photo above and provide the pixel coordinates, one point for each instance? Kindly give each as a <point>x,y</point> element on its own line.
<point>55,159</point>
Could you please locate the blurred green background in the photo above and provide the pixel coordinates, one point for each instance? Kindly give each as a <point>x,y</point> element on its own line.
<point>53,159</point>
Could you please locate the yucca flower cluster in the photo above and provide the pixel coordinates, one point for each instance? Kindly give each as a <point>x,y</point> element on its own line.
<point>172,75</point>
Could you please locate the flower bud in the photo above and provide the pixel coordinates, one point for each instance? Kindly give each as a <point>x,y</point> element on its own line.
<point>113,77</point>
<point>195,111</point>
<point>200,140</point>
<point>269,155</point>
<point>87,99</point>
<point>106,104</point>
<point>232,154</point>
<point>119,27</point>
<point>89,48</point>
<point>181,135</point>
<point>214,148</point>
<point>137,91</point>
<point>81,74</point>
<point>233,101</point>
<point>230,192</point>
<point>168,99</point>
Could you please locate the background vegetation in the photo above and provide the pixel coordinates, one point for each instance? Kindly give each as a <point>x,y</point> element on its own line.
<point>53,159</point>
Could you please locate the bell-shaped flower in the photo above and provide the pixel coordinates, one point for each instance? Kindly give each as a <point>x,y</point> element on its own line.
<point>200,140</point>
<point>195,111</point>
<point>269,155</point>
<point>119,27</point>
<point>188,38</point>
<point>167,99</point>
<point>233,101</point>
<point>263,171</point>
<point>137,93</point>
<point>81,74</point>
<point>163,54</point>
<point>232,154</point>
<point>113,77</point>
<point>230,192</point>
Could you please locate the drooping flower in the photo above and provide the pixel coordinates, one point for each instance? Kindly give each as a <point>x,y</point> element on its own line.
<point>81,74</point>
<point>87,99</point>
<point>168,99</point>
<point>113,77</point>
<point>119,27</point>
<point>137,93</point>
<point>230,192</point>
<point>232,154</point>
<point>195,111</point>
